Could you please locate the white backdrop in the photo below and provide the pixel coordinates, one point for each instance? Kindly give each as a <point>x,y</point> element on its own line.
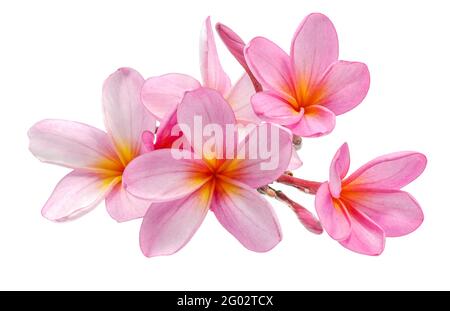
<point>54,56</point>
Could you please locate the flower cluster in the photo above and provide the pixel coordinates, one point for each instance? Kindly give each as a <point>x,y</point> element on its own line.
<point>175,148</point>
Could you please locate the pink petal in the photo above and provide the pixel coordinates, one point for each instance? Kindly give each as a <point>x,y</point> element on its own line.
<point>272,108</point>
<point>158,176</point>
<point>168,226</point>
<point>76,194</point>
<point>338,169</point>
<point>148,139</point>
<point>162,94</point>
<point>239,100</point>
<point>125,116</point>
<point>168,131</point>
<point>314,48</point>
<point>207,107</point>
<point>247,216</point>
<point>295,161</point>
<point>332,214</point>
<point>316,121</point>
<point>391,171</point>
<point>72,144</point>
<point>344,86</point>
<point>271,66</point>
<point>261,157</point>
<point>236,46</point>
<point>396,212</point>
<point>212,72</point>
<point>122,206</point>
<point>366,237</point>
<point>233,42</point>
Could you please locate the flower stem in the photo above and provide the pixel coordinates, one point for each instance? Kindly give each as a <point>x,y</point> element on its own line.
<point>308,220</point>
<point>306,186</point>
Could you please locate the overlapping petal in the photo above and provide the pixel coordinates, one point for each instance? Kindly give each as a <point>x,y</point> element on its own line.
<point>76,194</point>
<point>168,226</point>
<point>125,116</point>
<point>247,216</point>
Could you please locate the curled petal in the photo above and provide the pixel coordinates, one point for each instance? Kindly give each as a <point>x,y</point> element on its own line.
<point>76,194</point>
<point>236,46</point>
<point>316,121</point>
<point>338,169</point>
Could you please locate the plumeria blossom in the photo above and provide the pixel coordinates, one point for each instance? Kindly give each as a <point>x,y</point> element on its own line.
<point>361,210</point>
<point>97,158</point>
<point>186,189</point>
<point>305,90</point>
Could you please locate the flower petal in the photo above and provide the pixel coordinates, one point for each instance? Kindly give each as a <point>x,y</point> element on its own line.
<point>271,66</point>
<point>168,131</point>
<point>125,116</point>
<point>247,216</point>
<point>396,212</point>
<point>148,141</point>
<point>344,86</point>
<point>206,108</point>
<point>338,169</point>
<point>391,171</point>
<point>239,100</point>
<point>332,214</point>
<point>168,226</point>
<point>158,176</point>
<point>314,48</point>
<point>261,157</point>
<point>269,107</point>
<point>316,121</point>
<point>72,144</point>
<point>122,206</point>
<point>366,238</point>
<point>236,46</point>
<point>76,194</point>
<point>162,94</point>
<point>212,72</point>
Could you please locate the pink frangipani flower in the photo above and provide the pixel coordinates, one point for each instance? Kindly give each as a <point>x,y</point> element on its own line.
<point>305,90</point>
<point>188,188</point>
<point>97,158</point>
<point>361,210</point>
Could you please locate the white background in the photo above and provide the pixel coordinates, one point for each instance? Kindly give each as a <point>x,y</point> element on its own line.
<point>54,56</point>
